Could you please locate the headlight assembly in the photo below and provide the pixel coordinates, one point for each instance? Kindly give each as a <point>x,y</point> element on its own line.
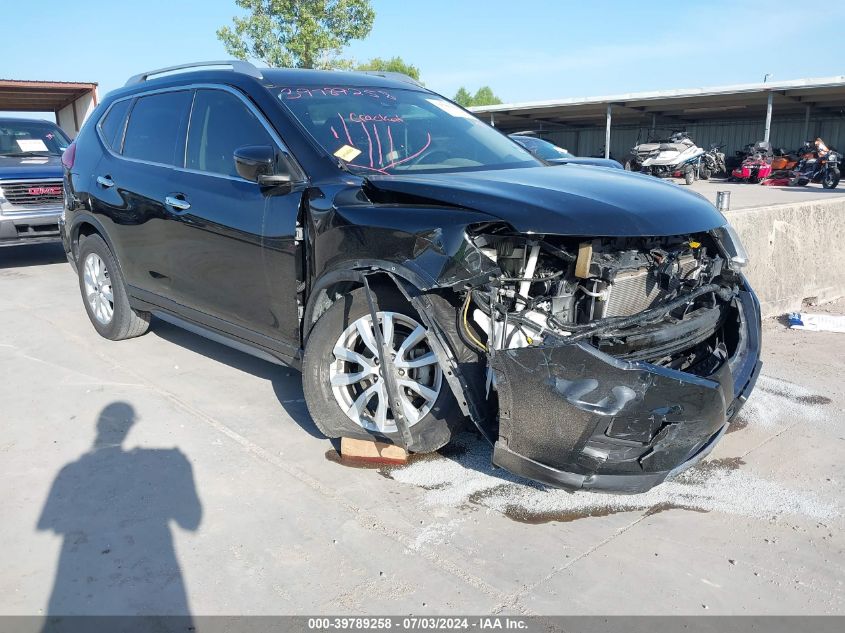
<point>731,246</point>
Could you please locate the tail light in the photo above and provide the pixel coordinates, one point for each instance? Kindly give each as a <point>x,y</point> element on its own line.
<point>69,155</point>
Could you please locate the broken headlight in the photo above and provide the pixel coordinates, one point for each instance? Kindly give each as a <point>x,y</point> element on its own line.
<point>731,246</point>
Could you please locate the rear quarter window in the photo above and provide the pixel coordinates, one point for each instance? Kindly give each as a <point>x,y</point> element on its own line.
<point>155,128</point>
<point>111,127</point>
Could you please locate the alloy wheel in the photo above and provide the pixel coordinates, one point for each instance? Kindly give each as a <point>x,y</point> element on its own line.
<point>357,380</point>
<point>98,288</point>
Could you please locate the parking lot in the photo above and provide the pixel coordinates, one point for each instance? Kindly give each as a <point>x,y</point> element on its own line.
<point>171,455</point>
<point>744,195</point>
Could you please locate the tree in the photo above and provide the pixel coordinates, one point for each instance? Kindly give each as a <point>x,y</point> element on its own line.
<point>483,96</point>
<point>297,33</point>
<point>463,97</point>
<point>394,65</point>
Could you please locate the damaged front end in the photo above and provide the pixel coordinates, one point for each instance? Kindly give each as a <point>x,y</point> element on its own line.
<point>616,362</point>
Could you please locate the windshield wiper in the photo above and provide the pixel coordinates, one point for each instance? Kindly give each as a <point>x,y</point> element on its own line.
<point>25,154</point>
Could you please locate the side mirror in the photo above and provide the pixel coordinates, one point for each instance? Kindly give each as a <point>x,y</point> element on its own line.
<point>257,163</point>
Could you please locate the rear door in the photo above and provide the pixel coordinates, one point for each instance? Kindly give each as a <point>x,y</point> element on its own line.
<point>216,234</point>
<point>133,177</point>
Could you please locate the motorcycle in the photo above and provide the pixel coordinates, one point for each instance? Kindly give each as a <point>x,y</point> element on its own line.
<point>712,162</point>
<point>784,160</point>
<point>757,165</point>
<point>817,164</point>
<point>678,155</point>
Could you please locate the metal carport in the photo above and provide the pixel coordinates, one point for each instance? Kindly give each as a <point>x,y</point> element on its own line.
<point>70,102</point>
<point>778,111</point>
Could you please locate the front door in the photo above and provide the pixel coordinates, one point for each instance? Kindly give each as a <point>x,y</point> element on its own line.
<point>217,264</point>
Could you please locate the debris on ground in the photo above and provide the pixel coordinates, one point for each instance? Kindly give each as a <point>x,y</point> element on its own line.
<point>817,322</point>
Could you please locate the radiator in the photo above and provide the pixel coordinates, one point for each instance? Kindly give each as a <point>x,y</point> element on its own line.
<point>636,290</point>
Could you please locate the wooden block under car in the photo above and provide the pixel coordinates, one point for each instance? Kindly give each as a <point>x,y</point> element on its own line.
<point>372,451</point>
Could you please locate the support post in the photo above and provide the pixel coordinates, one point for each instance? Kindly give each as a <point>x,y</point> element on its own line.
<point>653,122</point>
<point>492,120</point>
<point>806,136</point>
<point>768,117</point>
<point>607,132</point>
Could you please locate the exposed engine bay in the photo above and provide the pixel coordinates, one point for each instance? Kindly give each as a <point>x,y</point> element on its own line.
<point>658,299</point>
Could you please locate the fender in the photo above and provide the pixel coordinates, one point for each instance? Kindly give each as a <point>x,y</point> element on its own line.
<point>353,273</point>
<point>83,217</point>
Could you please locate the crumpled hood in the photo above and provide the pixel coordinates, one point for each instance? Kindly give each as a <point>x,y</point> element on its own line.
<point>23,167</point>
<point>575,200</point>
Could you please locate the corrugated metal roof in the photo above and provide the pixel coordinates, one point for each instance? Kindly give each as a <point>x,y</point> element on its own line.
<point>680,93</point>
<point>41,96</point>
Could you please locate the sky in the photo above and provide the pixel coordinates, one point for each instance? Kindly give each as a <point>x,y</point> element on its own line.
<point>525,51</point>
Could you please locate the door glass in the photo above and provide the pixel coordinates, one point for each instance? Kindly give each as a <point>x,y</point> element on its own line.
<point>221,123</point>
<point>153,132</point>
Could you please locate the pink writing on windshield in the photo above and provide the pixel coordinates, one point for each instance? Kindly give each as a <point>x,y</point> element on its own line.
<point>378,118</point>
<point>299,93</point>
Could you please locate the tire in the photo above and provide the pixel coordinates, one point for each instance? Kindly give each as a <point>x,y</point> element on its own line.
<point>632,165</point>
<point>831,178</point>
<point>705,173</point>
<point>438,421</point>
<point>689,175</point>
<point>104,293</point>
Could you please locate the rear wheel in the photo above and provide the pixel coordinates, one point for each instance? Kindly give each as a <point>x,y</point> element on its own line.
<point>705,173</point>
<point>831,178</point>
<point>104,293</point>
<point>344,384</point>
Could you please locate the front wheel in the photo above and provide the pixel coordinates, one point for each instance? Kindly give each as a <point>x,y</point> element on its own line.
<point>344,383</point>
<point>689,175</point>
<point>831,178</point>
<point>705,173</point>
<point>104,293</point>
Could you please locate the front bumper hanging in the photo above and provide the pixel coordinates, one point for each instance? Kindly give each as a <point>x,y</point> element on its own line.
<point>574,417</point>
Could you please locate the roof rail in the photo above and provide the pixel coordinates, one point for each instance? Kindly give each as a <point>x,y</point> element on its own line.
<point>392,74</point>
<point>238,66</point>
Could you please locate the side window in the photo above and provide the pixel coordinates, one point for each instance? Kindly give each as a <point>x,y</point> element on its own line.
<point>111,127</point>
<point>155,125</point>
<point>221,123</point>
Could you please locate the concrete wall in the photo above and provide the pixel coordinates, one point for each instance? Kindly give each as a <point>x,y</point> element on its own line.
<point>796,251</point>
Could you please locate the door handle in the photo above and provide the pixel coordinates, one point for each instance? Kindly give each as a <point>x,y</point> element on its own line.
<point>178,202</point>
<point>105,182</point>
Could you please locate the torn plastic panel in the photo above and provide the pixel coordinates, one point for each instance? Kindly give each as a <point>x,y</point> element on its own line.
<point>574,417</point>
<point>428,243</point>
<point>463,373</point>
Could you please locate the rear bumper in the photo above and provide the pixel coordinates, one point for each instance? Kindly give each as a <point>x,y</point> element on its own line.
<point>577,418</point>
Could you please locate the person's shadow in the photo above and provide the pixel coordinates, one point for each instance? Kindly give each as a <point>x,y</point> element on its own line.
<point>113,508</point>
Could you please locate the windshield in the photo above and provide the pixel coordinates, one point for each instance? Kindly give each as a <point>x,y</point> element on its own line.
<point>541,148</point>
<point>31,138</point>
<point>388,131</point>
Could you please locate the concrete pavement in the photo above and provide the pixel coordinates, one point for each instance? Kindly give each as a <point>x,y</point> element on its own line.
<point>169,474</point>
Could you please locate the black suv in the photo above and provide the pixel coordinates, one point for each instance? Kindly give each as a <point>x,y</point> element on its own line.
<point>422,269</point>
